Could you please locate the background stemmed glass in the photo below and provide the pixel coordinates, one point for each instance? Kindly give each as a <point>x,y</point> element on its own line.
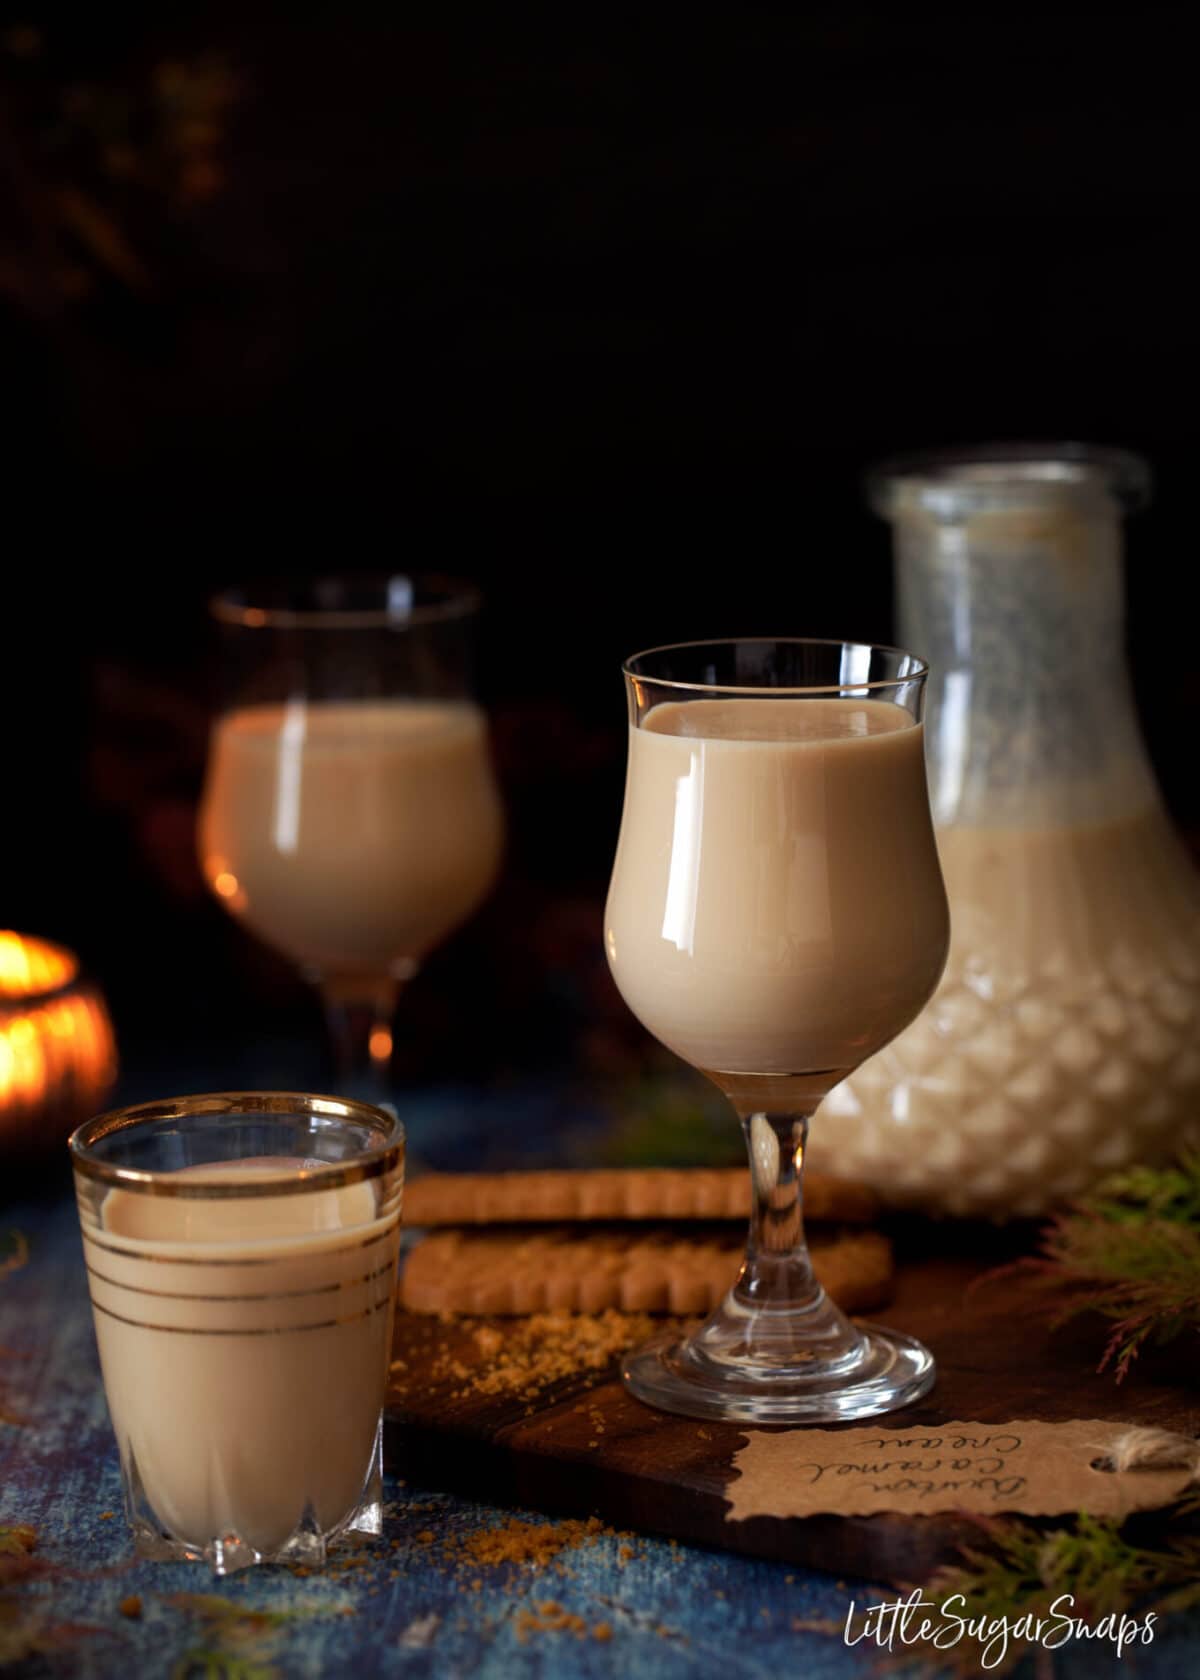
<point>776,915</point>
<point>350,816</point>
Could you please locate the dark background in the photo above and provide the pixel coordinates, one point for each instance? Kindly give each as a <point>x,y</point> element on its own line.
<point>609,317</point>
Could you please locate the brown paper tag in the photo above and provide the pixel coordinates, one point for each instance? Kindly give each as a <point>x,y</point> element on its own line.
<point>1039,1469</point>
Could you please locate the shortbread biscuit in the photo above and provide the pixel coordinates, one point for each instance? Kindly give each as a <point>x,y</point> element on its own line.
<point>581,1269</point>
<point>529,1198</point>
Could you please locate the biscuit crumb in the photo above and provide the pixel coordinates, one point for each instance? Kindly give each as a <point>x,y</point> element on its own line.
<point>537,1544</point>
<point>550,1617</point>
<point>530,1354</point>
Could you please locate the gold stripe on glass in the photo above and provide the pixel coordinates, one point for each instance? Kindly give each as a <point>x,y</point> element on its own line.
<point>279,1295</point>
<point>252,1260</point>
<point>265,1330</point>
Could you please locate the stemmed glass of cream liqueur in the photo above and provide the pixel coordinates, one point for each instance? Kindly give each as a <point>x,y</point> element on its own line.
<point>350,816</point>
<point>776,915</point>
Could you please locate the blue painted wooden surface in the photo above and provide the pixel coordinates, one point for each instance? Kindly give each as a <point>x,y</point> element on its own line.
<point>673,1611</point>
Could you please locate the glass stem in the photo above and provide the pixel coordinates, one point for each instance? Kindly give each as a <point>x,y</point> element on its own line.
<point>777,1317</point>
<point>777,1272</point>
<point>360,1016</point>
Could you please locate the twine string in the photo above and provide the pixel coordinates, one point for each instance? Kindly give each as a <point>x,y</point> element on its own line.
<point>1144,1447</point>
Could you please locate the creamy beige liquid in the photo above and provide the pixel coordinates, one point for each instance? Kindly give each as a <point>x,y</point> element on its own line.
<point>244,1345</point>
<point>352,836</point>
<point>776,905</point>
<point>1064,1038</point>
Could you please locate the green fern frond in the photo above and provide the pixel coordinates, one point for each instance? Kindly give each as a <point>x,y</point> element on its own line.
<point>1019,1569</point>
<point>1130,1252</point>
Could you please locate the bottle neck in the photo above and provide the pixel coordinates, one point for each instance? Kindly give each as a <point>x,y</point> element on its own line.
<point>1029,713</point>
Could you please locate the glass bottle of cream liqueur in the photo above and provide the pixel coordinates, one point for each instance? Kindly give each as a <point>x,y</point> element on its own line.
<point>1064,1038</point>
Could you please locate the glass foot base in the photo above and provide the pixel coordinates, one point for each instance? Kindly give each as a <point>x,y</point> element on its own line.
<point>225,1553</point>
<point>881,1371</point>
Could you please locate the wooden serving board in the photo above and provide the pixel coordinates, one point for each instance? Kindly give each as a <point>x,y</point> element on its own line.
<point>997,1360</point>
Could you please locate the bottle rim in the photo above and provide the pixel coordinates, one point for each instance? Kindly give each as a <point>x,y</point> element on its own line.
<point>996,477</point>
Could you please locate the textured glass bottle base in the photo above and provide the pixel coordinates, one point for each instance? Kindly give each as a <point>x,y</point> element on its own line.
<point>228,1552</point>
<point>1058,1048</point>
<point>878,1371</point>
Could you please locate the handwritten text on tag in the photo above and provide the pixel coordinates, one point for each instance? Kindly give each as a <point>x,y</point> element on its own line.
<point>1040,1469</point>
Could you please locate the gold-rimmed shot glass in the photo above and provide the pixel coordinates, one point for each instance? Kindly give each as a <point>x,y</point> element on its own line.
<point>241,1251</point>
